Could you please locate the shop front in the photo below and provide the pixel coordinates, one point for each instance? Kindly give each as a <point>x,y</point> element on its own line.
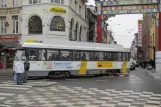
<point>7,55</point>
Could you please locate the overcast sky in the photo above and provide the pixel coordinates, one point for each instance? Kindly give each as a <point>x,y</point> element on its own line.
<point>124,27</point>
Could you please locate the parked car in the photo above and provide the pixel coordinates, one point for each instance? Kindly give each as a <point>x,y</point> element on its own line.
<point>132,66</point>
<point>137,64</point>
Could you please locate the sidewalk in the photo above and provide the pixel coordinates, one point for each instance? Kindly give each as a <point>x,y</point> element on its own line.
<point>153,73</point>
<point>6,72</point>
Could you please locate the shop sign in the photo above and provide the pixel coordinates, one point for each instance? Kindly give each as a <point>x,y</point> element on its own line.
<point>57,9</point>
<point>33,41</point>
<point>139,32</point>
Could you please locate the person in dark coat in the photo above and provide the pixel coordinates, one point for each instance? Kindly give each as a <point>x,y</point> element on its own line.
<point>26,67</point>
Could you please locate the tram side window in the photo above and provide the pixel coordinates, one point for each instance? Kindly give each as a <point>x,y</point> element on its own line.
<point>97,56</point>
<point>83,56</point>
<point>110,56</point>
<point>41,55</point>
<point>106,56</point>
<point>123,57</point>
<point>32,54</point>
<point>119,57</point>
<point>115,56</point>
<point>53,55</point>
<point>101,56</point>
<point>91,56</point>
<point>127,56</point>
<point>76,56</point>
<point>86,56</point>
<point>66,55</point>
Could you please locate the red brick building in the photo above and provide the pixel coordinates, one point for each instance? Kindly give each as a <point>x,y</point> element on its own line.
<point>146,36</point>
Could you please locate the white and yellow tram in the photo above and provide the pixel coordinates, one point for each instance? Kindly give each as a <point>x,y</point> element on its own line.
<point>75,59</point>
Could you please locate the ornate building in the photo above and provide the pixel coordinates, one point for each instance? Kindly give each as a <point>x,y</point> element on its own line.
<point>49,20</point>
<point>10,30</point>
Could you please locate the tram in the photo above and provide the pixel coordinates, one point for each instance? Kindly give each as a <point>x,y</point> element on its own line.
<point>75,59</point>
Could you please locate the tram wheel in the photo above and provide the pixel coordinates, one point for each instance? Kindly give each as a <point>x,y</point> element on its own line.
<point>127,75</point>
<point>67,74</point>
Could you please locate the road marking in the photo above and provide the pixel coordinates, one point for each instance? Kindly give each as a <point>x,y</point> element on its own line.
<point>13,88</point>
<point>2,98</point>
<point>101,80</point>
<point>71,79</point>
<point>7,94</point>
<point>14,85</point>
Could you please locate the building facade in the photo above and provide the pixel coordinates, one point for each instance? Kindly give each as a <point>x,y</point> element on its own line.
<point>146,36</point>
<point>136,49</point>
<point>154,46</point>
<point>133,48</point>
<point>49,20</point>
<point>91,20</point>
<point>10,30</point>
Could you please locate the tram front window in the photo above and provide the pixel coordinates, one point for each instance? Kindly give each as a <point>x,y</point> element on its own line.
<point>20,55</point>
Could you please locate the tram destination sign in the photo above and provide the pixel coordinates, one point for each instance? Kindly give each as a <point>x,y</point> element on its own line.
<point>127,7</point>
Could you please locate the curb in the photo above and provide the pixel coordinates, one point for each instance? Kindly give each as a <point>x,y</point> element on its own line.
<point>153,75</point>
<point>46,84</point>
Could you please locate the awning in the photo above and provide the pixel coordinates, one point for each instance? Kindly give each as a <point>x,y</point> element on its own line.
<point>10,45</point>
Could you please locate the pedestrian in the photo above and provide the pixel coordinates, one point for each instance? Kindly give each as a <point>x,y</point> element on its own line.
<point>26,67</point>
<point>19,70</point>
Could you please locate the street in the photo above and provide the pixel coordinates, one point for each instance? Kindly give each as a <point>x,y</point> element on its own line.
<point>137,90</point>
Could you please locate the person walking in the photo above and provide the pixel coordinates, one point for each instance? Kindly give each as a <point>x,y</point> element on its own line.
<point>26,67</point>
<point>19,70</point>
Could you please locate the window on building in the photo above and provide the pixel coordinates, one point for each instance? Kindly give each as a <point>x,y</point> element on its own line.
<point>3,26</point>
<point>15,24</point>
<point>80,10</point>
<point>57,1</point>
<point>76,31</point>
<point>80,33</point>
<point>76,5</point>
<point>41,55</point>
<point>71,29</point>
<point>3,3</point>
<point>57,24</point>
<point>32,54</point>
<point>35,25</point>
<point>34,1</point>
<point>15,3</point>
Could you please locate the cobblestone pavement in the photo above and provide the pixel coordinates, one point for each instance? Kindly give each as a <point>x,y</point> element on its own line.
<point>63,96</point>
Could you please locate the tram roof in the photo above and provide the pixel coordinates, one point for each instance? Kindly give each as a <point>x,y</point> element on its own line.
<point>78,45</point>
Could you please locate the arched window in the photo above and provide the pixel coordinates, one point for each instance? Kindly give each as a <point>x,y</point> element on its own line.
<point>35,25</point>
<point>71,29</point>
<point>76,31</point>
<point>80,33</point>
<point>57,24</point>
